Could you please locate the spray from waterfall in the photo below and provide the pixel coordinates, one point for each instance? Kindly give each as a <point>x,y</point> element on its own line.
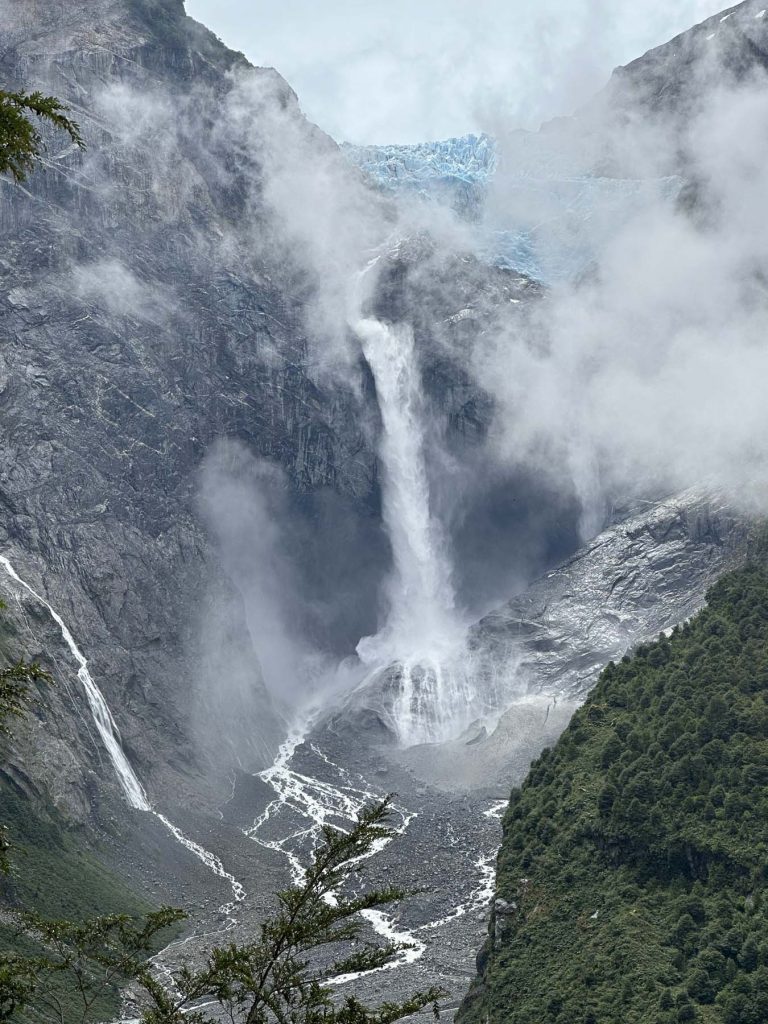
<point>106,727</point>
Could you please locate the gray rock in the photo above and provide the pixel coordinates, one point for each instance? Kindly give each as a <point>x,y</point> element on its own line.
<point>138,323</point>
<point>649,571</point>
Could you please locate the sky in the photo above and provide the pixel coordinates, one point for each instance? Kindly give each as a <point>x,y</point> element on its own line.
<point>416,70</point>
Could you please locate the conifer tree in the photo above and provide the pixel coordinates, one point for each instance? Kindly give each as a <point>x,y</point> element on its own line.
<point>21,118</point>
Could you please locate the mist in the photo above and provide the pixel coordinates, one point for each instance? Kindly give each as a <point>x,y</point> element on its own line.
<point>413,72</point>
<point>492,422</point>
<point>644,378</point>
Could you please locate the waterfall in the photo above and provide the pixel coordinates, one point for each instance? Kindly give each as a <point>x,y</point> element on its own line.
<point>102,716</point>
<point>421,645</point>
<point>422,618</point>
<point>106,727</point>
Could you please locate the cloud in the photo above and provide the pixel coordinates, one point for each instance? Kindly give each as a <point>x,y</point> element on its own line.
<point>242,501</point>
<point>306,568</point>
<point>407,72</point>
<point>111,284</point>
<point>649,376</point>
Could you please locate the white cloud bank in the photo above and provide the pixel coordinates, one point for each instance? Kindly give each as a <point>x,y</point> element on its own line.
<point>413,70</point>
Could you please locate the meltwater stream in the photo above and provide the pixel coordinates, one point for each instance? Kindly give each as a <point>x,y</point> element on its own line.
<point>132,788</point>
<point>291,824</point>
<point>312,791</point>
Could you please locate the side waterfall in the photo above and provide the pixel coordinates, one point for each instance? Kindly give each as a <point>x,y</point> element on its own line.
<point>132,788</point>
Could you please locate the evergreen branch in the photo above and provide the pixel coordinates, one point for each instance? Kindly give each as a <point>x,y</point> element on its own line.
<point>21,142</point>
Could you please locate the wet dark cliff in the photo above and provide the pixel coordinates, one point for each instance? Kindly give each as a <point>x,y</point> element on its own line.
<point>145,313</point>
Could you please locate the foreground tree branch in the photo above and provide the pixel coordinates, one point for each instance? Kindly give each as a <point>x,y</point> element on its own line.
<point>21,142</point>
<point>284,977</point>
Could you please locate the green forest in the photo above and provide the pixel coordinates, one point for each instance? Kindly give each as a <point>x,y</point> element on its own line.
<point>632,875</point>
<point>56,873</point>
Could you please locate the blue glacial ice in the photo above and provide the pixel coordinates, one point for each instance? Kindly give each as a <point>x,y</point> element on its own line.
<point>534,209</point>
<point>455,171</point>
<point>470,159</point>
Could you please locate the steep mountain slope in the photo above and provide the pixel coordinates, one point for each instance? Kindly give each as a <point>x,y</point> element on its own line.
<point>154,305</point>
<point>652,564</point>
<point>631,879</point>
<point>640,122</point>
<point>676,886</point>
<point>138,327</point>
<point>673,79</point>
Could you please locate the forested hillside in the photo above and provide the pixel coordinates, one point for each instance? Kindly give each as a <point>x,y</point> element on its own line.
<point>56,872</point>
<point>632,876</point>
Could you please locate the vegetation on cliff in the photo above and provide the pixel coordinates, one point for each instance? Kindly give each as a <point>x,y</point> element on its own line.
<point>55,874</point>
<point>633,872</point>
<point>49,871</point>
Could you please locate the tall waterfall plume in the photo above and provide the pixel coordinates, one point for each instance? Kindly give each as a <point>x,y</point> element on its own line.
<point>421,646</point>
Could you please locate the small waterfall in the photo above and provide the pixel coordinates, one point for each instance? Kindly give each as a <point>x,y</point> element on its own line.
<point>132,788</point>
<point>102,716</point>
<point>421,645</point>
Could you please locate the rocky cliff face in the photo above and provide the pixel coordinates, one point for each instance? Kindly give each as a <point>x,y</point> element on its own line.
<point>672,79</point>
<point>143,316</point>
<point>653,563</point>
<point>155,315</point>
<point>639,124</point>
